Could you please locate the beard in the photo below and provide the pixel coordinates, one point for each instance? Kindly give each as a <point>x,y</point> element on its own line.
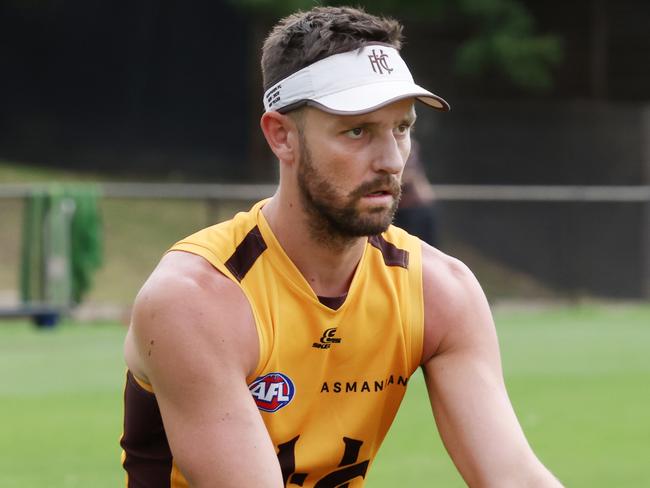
<point>336,218</point>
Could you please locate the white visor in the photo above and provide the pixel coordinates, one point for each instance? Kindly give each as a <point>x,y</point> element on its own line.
<point>354,82</point>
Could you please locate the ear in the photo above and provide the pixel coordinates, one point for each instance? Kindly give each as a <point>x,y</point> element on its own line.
<point>281,135</point>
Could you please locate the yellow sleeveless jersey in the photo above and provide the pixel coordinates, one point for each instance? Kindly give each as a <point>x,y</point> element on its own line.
<point>330,378</point>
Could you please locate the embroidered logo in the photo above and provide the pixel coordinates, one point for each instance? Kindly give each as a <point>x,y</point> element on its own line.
<point>272,391</point>
<point>379,62</point>
<point>327,339</point>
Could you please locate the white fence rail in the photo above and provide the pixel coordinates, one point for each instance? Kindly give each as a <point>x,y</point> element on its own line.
<point>250,192</point>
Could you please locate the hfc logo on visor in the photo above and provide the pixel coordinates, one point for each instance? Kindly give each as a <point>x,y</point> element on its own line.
<point>379,62</point>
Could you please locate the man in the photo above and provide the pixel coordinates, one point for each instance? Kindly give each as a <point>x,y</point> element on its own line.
<point>417,213</point>
<point>274,349</point>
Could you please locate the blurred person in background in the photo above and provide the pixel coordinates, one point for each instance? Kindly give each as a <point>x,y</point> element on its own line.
<point>416,213</point>
<point>274,349</point>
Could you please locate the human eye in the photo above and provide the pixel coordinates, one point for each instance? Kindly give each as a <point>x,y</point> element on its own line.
<point>356,133</point>
<point>403,129</point>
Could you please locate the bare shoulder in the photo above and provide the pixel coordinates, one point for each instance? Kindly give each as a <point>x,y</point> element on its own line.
<point>189,310</point>
<point>455,306</point>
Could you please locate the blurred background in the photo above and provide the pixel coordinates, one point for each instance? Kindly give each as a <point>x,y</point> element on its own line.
<point>542,93</point>
<point>141,120</point>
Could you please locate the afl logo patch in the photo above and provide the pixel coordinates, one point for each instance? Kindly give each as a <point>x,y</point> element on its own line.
<point>272,391</point>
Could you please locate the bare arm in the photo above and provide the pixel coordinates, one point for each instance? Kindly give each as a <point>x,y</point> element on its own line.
<point>462,367</point>
<point>193,338</point>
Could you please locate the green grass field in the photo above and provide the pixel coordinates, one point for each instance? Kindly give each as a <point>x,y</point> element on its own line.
<point>579,379</point>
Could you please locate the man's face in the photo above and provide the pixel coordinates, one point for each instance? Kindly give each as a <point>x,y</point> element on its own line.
<point>350,168</point>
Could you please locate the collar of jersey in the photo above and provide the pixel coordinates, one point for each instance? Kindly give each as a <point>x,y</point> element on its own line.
<point>285,266</point>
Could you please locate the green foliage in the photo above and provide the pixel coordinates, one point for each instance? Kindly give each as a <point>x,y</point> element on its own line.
<point>526,61</point>
<point>502,39</point>
<point>506,43</point>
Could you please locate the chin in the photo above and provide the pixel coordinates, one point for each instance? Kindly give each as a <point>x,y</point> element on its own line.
<point>371,227</point>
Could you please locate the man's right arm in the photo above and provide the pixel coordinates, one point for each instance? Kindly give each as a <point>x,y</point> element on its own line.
<point>462,368</point>
<point>193,338</point>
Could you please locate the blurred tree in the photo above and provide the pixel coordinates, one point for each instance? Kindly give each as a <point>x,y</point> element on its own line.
<point>501,34</point>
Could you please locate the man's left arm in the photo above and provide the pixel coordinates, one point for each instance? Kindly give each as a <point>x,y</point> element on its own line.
<point>462,368</point>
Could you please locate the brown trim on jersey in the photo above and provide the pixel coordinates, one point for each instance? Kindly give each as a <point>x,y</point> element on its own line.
<point>147,457</point>
<point>333,302</point>
<point>393,255</point>
<point>247,252</point>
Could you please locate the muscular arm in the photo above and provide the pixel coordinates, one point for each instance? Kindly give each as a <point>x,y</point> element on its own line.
<point>462,367</point>
<point>193,338</point>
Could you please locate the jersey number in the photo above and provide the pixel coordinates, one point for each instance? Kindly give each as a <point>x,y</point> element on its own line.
<point>349,468</point>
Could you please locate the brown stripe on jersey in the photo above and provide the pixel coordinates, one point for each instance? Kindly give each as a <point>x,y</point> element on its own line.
<point>247,252</point>
<point>147,457</point>
<point>393,255</point>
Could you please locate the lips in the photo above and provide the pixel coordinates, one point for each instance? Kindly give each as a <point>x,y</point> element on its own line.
<point>378,188</point>
<point>383,192</point>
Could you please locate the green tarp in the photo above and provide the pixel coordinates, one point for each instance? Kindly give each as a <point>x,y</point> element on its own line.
<point>62,244</point>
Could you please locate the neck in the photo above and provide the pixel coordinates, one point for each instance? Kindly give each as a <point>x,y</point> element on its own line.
<point>325,259</point>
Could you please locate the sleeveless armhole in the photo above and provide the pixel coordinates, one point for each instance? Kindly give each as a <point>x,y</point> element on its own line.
<point>416,308</point>
<point>208,255</point>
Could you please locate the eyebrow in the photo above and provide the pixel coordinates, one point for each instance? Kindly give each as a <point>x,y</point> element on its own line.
<point>410,118</point>
<point>355,121</point>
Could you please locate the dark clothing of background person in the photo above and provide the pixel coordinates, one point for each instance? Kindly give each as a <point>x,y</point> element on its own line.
<point>416,212</point>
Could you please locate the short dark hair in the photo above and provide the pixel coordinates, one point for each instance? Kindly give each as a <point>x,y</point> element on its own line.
<point>306,37</point>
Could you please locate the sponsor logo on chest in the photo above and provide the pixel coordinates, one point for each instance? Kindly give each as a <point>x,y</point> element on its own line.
<point>327,339</point>
<point>364,385</point>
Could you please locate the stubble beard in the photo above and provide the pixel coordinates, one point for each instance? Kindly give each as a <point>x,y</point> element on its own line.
<point>338,225</point>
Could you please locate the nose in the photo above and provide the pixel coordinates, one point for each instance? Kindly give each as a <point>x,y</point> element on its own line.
<point>389,157</point>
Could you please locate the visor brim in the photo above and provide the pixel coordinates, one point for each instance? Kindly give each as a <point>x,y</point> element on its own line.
<point>368,98</point>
